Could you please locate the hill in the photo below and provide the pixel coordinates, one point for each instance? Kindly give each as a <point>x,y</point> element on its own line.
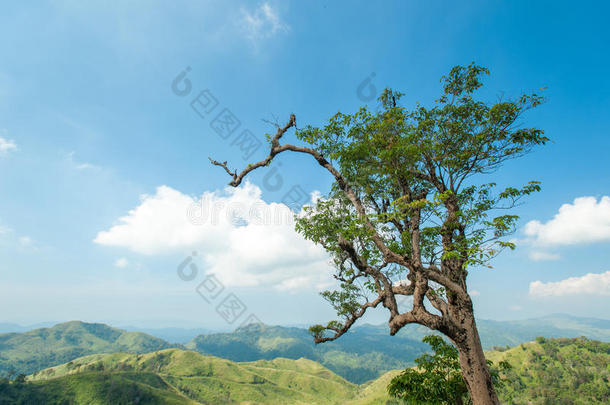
<point>93,389</point>
<point>368,351</point>
<point>359,356</point>
<point>40,348</point>
<point>175,335</point>
<point>556,371</point>
<point>175,373</point>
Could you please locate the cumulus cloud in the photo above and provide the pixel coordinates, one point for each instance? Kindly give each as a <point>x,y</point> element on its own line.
<point>263,22</point>
<point>586,220</point>
<point>121,263</point>
<point>241,239</point>
<point>7,146</point>
<point>589,284</point>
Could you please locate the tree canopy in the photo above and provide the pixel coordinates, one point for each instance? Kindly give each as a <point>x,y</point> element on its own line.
<point>405,210</point>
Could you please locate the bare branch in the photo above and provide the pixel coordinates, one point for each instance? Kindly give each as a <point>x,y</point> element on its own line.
<point>224,166</point>
<point>339,331</point>
<point>237,178</point>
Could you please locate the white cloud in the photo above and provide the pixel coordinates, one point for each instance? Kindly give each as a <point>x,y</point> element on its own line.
<point>263,22</point>
<point>241,239</point>
<point>539,256</point>
<point>79,165</point>
<point>474,293</point>
<point>121,263</point>
<point>589,284</point>
<point>584,221</point>
<point>84,166</point>
<point>515,308</point>
<point>7,146</point>
<point>25,241</point>
<point>8,235</point>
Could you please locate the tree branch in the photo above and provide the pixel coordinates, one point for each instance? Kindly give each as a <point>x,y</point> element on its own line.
<point>339,331</point>
<point>276,149</point>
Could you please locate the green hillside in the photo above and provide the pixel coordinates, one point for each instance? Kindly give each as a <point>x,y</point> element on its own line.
<point>204,379</point>
<point>547,371</point>
<point>94,388</point>
<point>31,351</point>
<point>556,371</point>
<point>358,356</point>
<point>175,376</point>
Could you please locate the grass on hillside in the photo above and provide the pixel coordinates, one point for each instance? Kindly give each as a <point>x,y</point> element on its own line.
<point>546,371</point>
<point>556,371</point>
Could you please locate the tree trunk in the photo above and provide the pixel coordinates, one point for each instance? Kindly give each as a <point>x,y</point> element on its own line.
<point>474,367</point>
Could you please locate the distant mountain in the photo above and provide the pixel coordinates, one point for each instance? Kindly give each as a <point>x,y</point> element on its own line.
<point>172,335</point>
<point>34,350</point>
<point>368,351</point>
<point>501,333</point>
<point>358,356</point>
<point>8,327</point>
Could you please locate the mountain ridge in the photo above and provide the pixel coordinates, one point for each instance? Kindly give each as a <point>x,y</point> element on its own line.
<point>43,347</point>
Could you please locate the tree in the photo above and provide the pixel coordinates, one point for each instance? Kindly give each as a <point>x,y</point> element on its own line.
<point>408,213</point>
<point>437,379</point>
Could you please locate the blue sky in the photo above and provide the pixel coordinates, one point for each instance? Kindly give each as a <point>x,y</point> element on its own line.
<point>100,159</point>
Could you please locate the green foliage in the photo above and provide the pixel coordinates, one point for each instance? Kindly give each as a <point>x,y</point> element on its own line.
<point>437,379</point>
